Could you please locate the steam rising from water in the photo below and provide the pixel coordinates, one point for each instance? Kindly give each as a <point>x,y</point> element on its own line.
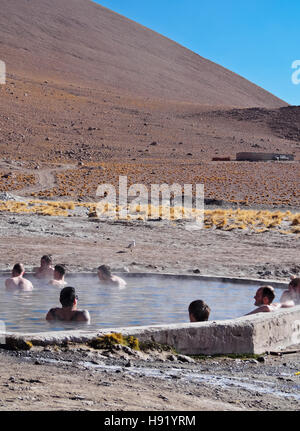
<point>144,301</point>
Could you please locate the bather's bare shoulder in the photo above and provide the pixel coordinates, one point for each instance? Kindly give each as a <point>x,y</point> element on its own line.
<point>51,315</point>
<point>261,309</point>
<point>83,316</point>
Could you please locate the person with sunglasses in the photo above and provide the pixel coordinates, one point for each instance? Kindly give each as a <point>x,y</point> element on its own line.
<point>68,312</point>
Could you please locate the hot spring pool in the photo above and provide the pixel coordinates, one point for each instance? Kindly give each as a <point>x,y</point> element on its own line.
<point>145,301</point>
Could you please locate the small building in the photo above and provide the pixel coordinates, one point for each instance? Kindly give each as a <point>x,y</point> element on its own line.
<point>263,157</point>
<point>221,159</point>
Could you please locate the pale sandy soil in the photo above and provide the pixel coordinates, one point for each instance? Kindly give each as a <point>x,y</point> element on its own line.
<point>84,244</point>
<point>70,387</point>
<point>80,379</point>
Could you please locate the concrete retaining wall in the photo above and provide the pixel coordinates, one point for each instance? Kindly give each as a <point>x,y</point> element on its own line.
<point>256,334</point>
<point>257,157</point>
<point>251,334</point>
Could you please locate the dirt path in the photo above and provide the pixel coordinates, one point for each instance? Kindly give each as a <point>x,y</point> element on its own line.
<point>45,177</point>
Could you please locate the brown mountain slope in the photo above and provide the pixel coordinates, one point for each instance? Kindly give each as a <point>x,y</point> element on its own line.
<point>81,42</point>
<point>91,95</point>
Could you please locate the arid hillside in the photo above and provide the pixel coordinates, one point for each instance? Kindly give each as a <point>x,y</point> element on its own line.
<point>80,41</point>
<point>91,95</point>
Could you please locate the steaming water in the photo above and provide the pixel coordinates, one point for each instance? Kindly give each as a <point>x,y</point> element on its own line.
<point>144,301</point>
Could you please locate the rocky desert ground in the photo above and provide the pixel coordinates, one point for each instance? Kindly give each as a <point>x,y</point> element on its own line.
<point>77,377</point>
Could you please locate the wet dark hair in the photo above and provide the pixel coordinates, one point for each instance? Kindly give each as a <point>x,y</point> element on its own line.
<point>268,291</point>
<point>47,258</point>
<point>18,268</point>
<point>200,310</point>
<point>60,269</point>
<point>294,282</point>
<point>105,269</point>
<point>67,296</point>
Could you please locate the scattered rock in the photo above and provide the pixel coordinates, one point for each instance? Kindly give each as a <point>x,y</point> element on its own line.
<point>104,384</point>
<point>162,397</point>
<point>77,398</point>
<point>34,381</point>
<point>217,202</point>
<point>4,196</point>
<point>127,349</point>
<point>264,273</point>
<point>171,358</point>
<point>17,344</point>
<point>184,358</point>
<point>151,266</point>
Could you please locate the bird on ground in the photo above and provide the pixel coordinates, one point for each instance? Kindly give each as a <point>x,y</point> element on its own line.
<point>131,245</point>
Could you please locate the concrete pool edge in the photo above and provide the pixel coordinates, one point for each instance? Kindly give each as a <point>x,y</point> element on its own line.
<point>207,277</point>
<point>253,334</point>
<point>238,280</point>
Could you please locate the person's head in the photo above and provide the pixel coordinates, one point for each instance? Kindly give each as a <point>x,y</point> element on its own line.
<point>295,285</point>
<point>104,272</point>
<point>46,260</point>
<point>264,296</point>
<point>199,311</point>
<point>18,269</point>
<point>68,297</point>
<point>59,272</point>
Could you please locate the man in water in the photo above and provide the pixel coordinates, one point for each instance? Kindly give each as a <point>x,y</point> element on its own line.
<point>68,312</point>
<point>263,300</point>
<point>46,270</point>
<point>59,276</point>
<point>17,282</point>
<point>105,277</point>
<point>291,297</point>
<point>199,311</point>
